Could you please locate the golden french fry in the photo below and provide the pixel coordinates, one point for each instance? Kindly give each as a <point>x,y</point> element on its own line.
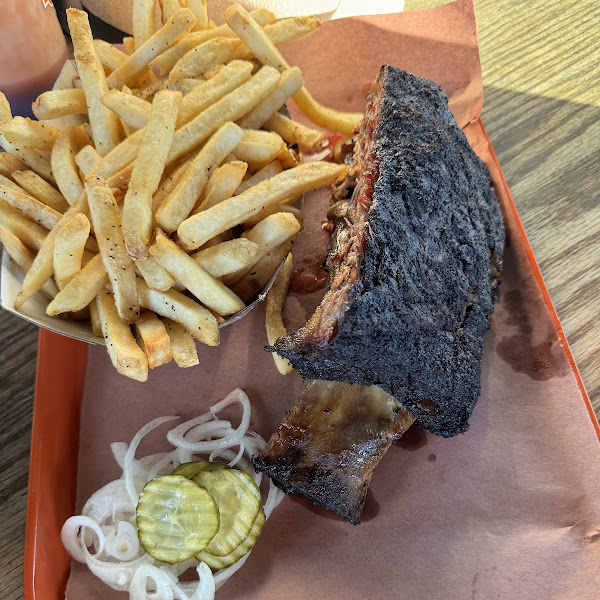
<point>143,21</point>
<point>274,313</point>
<point>282,32</point>
<point>66,147</point>
<point>81,289</point>
<point>200,10</point>
<point>28,205</point>
<point>231,107</point>
<point>104,123</point>
<point>222,184</point>
<point>147,92</point>
<point>168,8</point>
<point>107,227</point>
<point>5,111</point>
<point>198,229</point>
<point>23,131</point>
<point>227,257</point>
<point>126,356</point>
<point>199,321</point>
<point>42,267</point>
<point>197,280</point>
<point>255,281</point>
<point>120,157</point>
<point>270,233</point>
<point>204,57</point>
<point>295,133</point>
<point>95,318</point>
<point>128,46</point>
<point>9,183</point>
<point>183,20</point>
<point>40,189</point>
<point>273,168</point>
<point>154,275</point>
<point>87,159</point>
<point>178,205</point>
<point>153,339</point>
<point>110,57</point>
<point>258,148</point>
<point>147,171</point>
<point>185,86</point>
<point>183,346</point>
<point>9,164</point>
<point>68,248</point>
<point>59,103</point>
<point>30,233</point>
<point>133,110</point>
<point>287,157</point>
<point>289,84</point>
<point>263,48</point>
<point>120,181</point>
<point>23,258</point>
<point>168,184</point>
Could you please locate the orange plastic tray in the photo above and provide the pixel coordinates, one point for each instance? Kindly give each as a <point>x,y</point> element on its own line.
<point>55,440</point>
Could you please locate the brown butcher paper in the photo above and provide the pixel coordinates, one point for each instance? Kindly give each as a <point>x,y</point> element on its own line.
<point>510,509</point>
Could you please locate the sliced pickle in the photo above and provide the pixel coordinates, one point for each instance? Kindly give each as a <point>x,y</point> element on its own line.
<point>222,562</point>
<point>189,469</point>
<point>176,518</point>
<point>238,500</point>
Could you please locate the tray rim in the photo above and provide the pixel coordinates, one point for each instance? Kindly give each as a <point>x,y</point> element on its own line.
<point>54,388</point>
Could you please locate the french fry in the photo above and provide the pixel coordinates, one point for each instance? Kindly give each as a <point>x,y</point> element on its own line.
<point>199,321</point>
<point>200,10</point>
<point>283,206</point>
<point>9,183</point>
<point>255,281</point>
<point>273,168</point>
<point>104,123</point>
<point>168,184</point>
<point>143,21</point>
<point>258,148</point>
<point>231,107</point>
<point>66,147</point>
<point>30,233</point>
<point>5,111</point>
<point>274,313</point>
<point>183,346</point>
<point>126,356</point>
<point>282,32</point>
<point>183,20</point>
<point>9,164</point>
<point>168,8</point>
<point>59,103</point>
<point>23,258</point>
<point>120,157</point>
<point>147,172</point>
<point>87,159</point>
<point>292,132</point>
<point>81,289</point>
<point>270,233</point>
<point>95,318</point>
<point>222,184</point>
<point>26,132</point>
<point>153,339</point>
<point>227,257</point>
<point>263,48</point>
<point>197,280</point>
<point>209,92</point>
<point>107,227</point>
<point>198,229</point>
<point>204,57</point>
<point>289,84</point>
<point>147,92</point>
<point>40,189</point>
<point>185,86</point>
<point>109,56</point>
<point>133,110</point>
<point>288,158</point>
<point>42,267</point>
<point>178,205</point>
<point>154,275</point>
<point>120,181</point>
<point>28,205</point>
<point>68,248</point>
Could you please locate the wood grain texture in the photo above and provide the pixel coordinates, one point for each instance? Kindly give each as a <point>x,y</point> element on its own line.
<point>542,111</point>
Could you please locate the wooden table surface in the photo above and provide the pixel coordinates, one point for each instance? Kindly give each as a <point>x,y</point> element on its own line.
<point>542,111</point>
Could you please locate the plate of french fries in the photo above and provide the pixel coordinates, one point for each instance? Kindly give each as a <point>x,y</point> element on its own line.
<point>158,194</point>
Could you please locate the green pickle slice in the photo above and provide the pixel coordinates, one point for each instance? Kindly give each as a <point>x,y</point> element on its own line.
<point>189,469</point>
<point>238,501</point>
<point>176,518</point>
<point>222,562</point>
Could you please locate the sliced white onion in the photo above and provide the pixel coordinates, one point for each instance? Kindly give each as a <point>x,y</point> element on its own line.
<point>274,497</point>
<point>138,589</point>
<point>124,544</point>
<point>223,575</point>
<point>72,535</point>
<point>103,504</point>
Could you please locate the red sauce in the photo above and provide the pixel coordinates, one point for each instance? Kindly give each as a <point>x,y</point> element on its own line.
<point>309,277</point>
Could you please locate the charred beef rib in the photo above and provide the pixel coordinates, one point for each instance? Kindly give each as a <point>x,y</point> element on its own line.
<point>330,442</point>
<point>414,261</point>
